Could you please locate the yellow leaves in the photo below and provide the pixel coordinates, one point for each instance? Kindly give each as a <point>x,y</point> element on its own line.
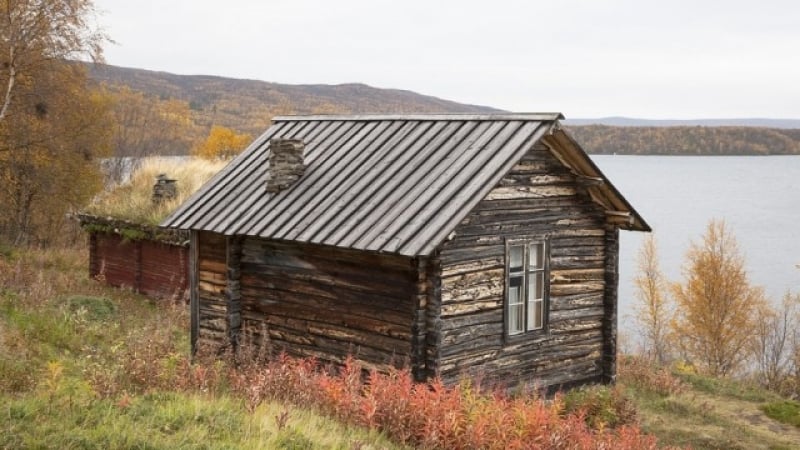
<point>222,143</point>
<point>146,125</point>
<point>52,137</point>
<point>716,305</point>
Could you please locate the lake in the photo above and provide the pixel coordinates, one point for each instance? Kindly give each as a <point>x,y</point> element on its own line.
<point>757,196</point>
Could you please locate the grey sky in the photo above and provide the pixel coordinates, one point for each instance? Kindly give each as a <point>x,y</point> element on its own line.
<point>651,59</point>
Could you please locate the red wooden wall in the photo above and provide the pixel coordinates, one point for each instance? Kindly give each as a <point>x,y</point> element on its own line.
<point>153,268</point>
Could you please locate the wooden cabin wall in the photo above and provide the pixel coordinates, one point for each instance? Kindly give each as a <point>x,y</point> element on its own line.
<point>327,303</point>
<point>212,323</point>
<point>538,198</point>
<point>153,268</point>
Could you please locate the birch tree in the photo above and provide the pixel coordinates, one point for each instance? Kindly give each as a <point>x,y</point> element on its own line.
<point>715,305</point>
<point>652,313</point>
<point>36,33</point>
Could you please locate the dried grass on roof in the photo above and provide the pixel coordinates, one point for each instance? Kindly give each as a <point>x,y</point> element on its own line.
<point>133,200</point>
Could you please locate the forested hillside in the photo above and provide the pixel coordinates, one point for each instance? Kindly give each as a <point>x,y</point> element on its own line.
<point>248,105</point>
<point>163,113</point>
<point>602,139</point>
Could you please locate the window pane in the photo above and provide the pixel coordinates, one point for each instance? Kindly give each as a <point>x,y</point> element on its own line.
<point>515,255</point>
<point>538,290</point>
<point>515,291</point>
<point>515,319</point>
<point>536,256</point>
<point>535,314</point>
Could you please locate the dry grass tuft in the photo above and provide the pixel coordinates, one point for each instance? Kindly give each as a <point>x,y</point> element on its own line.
<point>132,201</point>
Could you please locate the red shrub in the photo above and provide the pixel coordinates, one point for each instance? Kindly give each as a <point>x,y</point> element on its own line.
<point>430,415</point>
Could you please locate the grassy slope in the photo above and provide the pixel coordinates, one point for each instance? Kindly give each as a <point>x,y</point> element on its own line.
<point>712,414</point>
<point>75,373</point>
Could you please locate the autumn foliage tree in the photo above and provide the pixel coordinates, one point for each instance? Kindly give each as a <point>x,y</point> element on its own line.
<point>653,312</point>
<point>222,143</point>
<point>715,305</point>
<point>35,33</point>
<point>52,126</point>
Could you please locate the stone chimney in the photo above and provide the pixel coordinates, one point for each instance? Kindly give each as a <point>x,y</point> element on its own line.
<point>285,163</point>
<point>164,189</point>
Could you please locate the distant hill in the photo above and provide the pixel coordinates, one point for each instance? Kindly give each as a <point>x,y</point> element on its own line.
<point>632,122</point>
<point>247,105</point>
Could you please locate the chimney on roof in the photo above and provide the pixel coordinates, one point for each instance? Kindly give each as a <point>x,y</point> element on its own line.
<point>285,163</point>
<point>164,189</point>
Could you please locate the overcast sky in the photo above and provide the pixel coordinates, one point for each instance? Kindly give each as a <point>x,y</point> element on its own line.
<point>674,59</point>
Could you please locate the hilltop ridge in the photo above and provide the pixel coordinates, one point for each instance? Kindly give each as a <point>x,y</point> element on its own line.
<point>248,105</point>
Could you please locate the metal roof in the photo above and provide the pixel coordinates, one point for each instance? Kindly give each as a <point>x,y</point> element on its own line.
<point>382,183</point>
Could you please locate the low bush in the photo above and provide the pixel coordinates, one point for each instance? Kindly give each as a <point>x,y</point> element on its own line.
<point>601,406</point>
<point>645,376</point>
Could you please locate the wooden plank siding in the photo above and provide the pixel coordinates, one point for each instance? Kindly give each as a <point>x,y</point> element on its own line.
<point>538,198</point>
<point>211,296</point>
<point>150,267</point>
<point>328,303</point>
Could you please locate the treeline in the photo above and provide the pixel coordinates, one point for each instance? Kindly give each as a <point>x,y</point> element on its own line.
<point>606,140</point>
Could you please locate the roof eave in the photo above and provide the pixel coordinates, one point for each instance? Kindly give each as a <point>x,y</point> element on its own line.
<point>571,153</point>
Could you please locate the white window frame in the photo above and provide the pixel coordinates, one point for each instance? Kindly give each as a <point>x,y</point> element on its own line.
<point>524,278</point>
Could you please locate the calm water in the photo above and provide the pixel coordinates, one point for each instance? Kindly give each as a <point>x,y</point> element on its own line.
<point>758,197</point>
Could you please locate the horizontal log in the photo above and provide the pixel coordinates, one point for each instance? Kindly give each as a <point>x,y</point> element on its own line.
<point>577,275</point>
<point>515,178</point>
<point>472,266</point>
<point>574,325</point>
<point>576,262</point>
<point>330,340</point>
<point>571,288</point>
<point>519,192</point>
<point>492,317</point>
<point>581,313</point>
<point>463,252</point>
<point>258,250</point>
<point>576,301</point>
<point>455,309</point>
<point>265,298</point>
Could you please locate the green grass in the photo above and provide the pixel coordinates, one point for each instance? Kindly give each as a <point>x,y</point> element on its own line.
<point>786,411</point>
<point>728,388</point>
<point>87,366</point>
<point>167,421</point>
<point>711,413</point>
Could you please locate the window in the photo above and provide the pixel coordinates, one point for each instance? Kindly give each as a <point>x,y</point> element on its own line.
<point>526,286</point>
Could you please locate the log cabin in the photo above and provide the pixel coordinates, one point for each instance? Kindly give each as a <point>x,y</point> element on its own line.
<point>455,245</point>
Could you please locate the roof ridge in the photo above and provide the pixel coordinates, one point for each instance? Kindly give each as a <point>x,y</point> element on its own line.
<point>531,116</point>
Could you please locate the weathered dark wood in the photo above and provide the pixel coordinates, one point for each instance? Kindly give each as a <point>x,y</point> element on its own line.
<point>610,305</point>
<point>233,291</point>
<point>538,198</point>
<point>298,297</point>
<point>212,302</point>
<point>433,319</point>
<point>194,299</point>
<point>419,324</point>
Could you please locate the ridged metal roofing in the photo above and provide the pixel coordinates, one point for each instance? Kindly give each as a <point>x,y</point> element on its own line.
<point>396,184</point>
